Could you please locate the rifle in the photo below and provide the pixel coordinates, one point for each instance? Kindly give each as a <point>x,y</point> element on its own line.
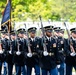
<point>17,40</point>
<point>43,33</point>
<point>28,42</point>
<point>9,40</point>
<point>70,41</point>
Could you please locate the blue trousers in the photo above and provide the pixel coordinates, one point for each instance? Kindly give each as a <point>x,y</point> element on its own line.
<point>61,69</point>
<point>5,68</point>
<point>20,69</point>
<point>23,70</point>
<point>10,68</point>
<point>0,67</point>
<point>51,72</point>
<point>37,70</point>
<point>69,69</point>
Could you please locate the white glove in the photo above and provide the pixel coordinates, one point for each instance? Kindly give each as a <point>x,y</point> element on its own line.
<point>72,54</point>
<point>10,52</point>
<point>29,55</point>
<point>45,53</point>
<point>1,52</point>
<point>58,66</point>
<point>18,52</point>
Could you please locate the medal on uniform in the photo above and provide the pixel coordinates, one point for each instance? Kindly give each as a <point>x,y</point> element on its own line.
<point>54,45</point>
<point>37,46</point>
<point>61,42</point>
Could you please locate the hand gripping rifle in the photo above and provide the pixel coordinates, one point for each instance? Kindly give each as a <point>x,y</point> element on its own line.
<point>28,42</point>
<point>70,41</point>
<point>43,33</point>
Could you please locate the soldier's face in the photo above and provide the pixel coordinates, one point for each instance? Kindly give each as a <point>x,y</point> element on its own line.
<point>74,35</point>
<point>56,33</point>
<point>13,37</point>
<point>61,34</point>
<point>20,35</point>
<point>2,35</point>
<point>32,35</point>
<point>49,34</point>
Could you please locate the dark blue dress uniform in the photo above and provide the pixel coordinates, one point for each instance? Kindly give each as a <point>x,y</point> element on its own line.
<point>1,56</point>
<point>70,56</point>
<point>33,61</point>
<point>60,47</point>
<point>19,59</point>
<point>48,63</point>
<point>9,55</point>
<point>5,47</point>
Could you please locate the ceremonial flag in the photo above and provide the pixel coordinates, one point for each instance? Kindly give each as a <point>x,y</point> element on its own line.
<point>6,14</point>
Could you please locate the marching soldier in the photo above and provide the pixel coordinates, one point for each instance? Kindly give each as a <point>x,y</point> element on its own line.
<point>23,37</point>
<point>70,47</point>
<point>5,47</point>
<point>10,52</point>
<point>1,52</point>
<point>58,35</point>
<point>19,54</point>
<point>48,53</point>
<point>1,56</point>
<point>32,56</point>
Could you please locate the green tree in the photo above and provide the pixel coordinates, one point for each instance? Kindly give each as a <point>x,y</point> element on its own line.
<point>48,9</point>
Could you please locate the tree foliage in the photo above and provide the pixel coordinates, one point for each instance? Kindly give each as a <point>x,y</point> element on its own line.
<point>48,9</point>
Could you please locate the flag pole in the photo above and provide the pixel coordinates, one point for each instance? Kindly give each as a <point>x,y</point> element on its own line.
<point>9,27</point>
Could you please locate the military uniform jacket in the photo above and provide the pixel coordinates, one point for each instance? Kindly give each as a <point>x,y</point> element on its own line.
<point>70,60</point>
<point>1,55</point>
<point>35,46</point>
<point>20,59</point>
<point>13,47</point>
<point>49,62</point>
<point>60,48</point>
<point>5,47</point>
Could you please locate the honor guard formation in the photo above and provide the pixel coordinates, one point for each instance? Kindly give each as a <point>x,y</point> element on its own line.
<point>50,54</point>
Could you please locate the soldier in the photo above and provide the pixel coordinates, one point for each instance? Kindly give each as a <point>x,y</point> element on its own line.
<point>19,54</point>
<point>70,47</point>
<point>4,39</point>
<point>59,33</point>
<point>1,52</point>
<point>1,56</point>
<point>23,36</point>
<point>32,56</point>
<point>48,53</point>
<point>10,52</point>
